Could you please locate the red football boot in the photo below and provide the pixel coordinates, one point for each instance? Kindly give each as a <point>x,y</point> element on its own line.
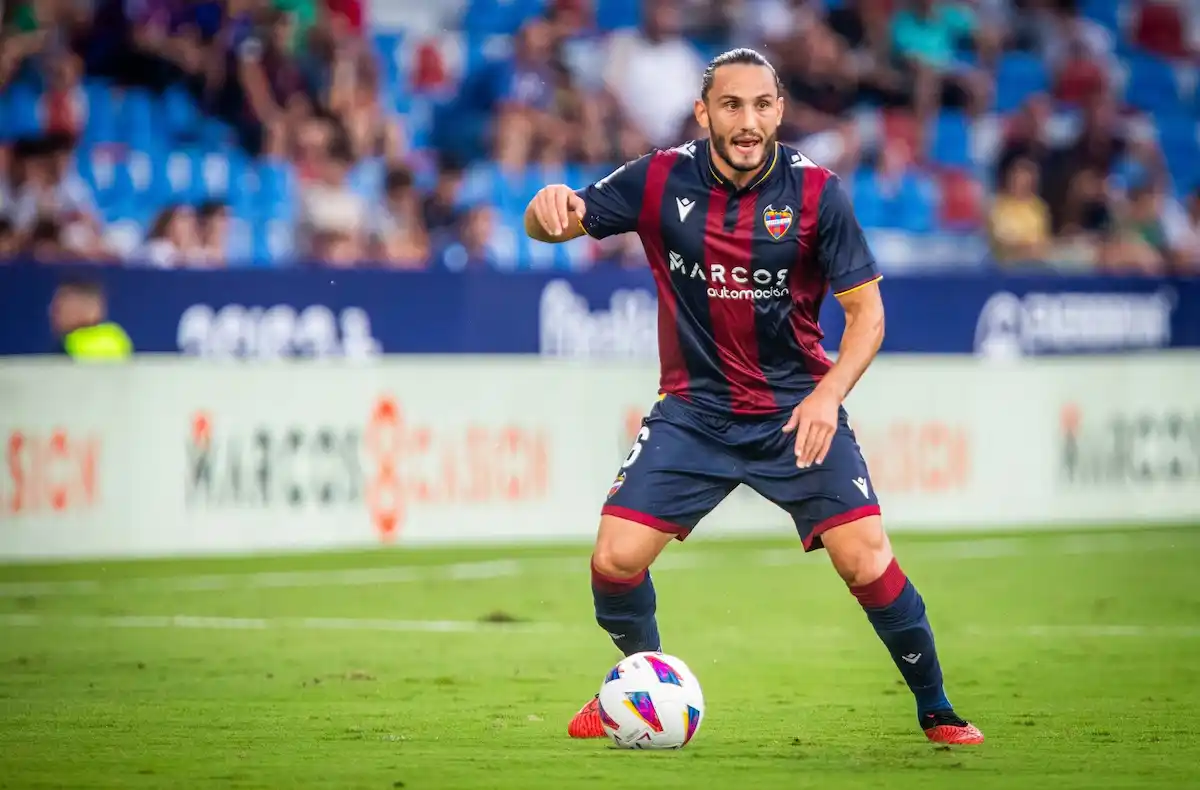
<point>586,723</point>
<point>944,726</point>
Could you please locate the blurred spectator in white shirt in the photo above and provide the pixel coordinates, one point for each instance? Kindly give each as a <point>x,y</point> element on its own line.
<point>173,241</point>
<point>655,74</point>
<point>333,218</point>
<point>50,188</point>
<point>398,227</point>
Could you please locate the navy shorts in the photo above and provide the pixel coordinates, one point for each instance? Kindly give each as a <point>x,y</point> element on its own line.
<point>685,461</point>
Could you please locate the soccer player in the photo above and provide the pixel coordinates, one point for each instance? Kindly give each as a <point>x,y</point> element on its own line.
<point>744,236</point>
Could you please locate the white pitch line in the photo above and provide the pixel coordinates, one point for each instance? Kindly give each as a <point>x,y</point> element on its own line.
<point>347,577</point>
<point>193,622</point>
<point>956,550</point>
<point>1090,631</point>
<point>285,623</point>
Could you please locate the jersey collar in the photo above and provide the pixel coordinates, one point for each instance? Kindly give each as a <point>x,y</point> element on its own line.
<point>716,178</point>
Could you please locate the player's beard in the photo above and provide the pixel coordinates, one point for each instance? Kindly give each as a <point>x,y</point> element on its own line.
<point>725,148</point>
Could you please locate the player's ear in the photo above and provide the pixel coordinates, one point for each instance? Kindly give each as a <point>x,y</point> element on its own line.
<point>701,112</point>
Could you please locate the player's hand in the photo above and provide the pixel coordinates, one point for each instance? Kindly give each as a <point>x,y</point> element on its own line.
<point>556,207</point>
<point>814,422</point>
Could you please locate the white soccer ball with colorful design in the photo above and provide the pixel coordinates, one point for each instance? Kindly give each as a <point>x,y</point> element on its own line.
<point>651,701</point>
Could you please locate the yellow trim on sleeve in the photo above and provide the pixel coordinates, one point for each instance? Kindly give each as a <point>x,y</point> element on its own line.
<point>858,287</point>
<point>583,228</point>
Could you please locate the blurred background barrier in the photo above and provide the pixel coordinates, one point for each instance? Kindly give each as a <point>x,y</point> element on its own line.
<point>331,191</point>
<point>606,313</point>
<point>172,458</point>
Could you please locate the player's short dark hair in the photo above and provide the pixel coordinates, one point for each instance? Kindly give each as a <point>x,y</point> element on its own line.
<point>734,57</point>
<point>82,285</point>
<point>210,208</point>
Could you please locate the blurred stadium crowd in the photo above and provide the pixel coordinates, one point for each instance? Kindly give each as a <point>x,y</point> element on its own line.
<point>1048,134</point>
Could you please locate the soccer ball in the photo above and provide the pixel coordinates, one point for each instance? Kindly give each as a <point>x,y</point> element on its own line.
<point>651,701</point>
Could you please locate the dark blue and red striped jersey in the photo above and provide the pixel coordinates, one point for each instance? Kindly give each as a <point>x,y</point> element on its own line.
<point>741,272</point>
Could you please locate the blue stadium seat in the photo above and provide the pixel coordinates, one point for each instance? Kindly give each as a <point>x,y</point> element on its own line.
<point>616,14</point>
<point>109,178</point>
<point>276,184</point>
<point>19,113</point>
<point>181,169</point>
<point>389,52</point>
<point>499,16</point>
<point>236,180</point>
<point>1178,139</point>
<point>1152,86</point>
<point>911,207</point>
<point>239,249</point>
<point>951,144</point>
<point>146,181</point>
<point>182,114</point>
<point>481,184</point>
<point>244,197</point>
<point>215,170</point>
<point>1106,12</point>
<point>419,122</point>
<point>482,52</point>
<point>273,242</point>
<point>1017,76</point>
<point>215,134</point>
<point>102,113</point>
<point>140,120</point>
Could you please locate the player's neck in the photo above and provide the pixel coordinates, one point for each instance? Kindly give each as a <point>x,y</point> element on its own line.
<point>738,179</point>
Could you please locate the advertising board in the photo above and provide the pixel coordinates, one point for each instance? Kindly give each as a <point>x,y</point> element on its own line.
<point>167,457</point>
<point>606,313</point>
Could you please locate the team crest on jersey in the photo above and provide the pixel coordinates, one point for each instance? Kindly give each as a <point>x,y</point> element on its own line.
<point>777,221</point>
<point>616,486</point>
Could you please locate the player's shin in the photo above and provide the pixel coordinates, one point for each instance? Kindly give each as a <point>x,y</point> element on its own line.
<point>625,609</point>
<point>895,609</point>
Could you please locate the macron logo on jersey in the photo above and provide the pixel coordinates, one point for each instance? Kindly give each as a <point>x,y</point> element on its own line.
<point>685,207</point>
<point>688,149</point>
<point>800,160</point>
<point>861,484</point>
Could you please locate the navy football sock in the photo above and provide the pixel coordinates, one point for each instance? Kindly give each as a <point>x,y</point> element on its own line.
<point>895,608</point>
<point>625,609</point>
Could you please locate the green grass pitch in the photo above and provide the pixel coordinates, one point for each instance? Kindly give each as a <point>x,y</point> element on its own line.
<point>1077,653</point>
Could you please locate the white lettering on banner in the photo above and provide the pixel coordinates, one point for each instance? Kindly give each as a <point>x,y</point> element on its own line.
<point>568,328</point>
<point>276,332</point>
<point>1012,326</point>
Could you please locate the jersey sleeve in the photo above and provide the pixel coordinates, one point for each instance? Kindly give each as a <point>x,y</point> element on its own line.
<point>614,202</point>
<point>843,252</point>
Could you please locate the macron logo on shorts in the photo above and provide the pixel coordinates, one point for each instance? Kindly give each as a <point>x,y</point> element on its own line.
<point>861,484</point>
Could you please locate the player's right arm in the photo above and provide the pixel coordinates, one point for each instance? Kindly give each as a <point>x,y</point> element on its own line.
<point>610,206</point>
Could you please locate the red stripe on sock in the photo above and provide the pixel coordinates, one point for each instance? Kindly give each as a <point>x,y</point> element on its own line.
<point>884,590</point>
<point>613,585</point>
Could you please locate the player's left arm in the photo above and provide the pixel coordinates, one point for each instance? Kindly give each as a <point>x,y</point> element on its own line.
<point>854,277</point>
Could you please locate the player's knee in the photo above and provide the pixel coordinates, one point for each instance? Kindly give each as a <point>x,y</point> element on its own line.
<point>624,549</point>
<point>619,561</point>
<point>860,550</point>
